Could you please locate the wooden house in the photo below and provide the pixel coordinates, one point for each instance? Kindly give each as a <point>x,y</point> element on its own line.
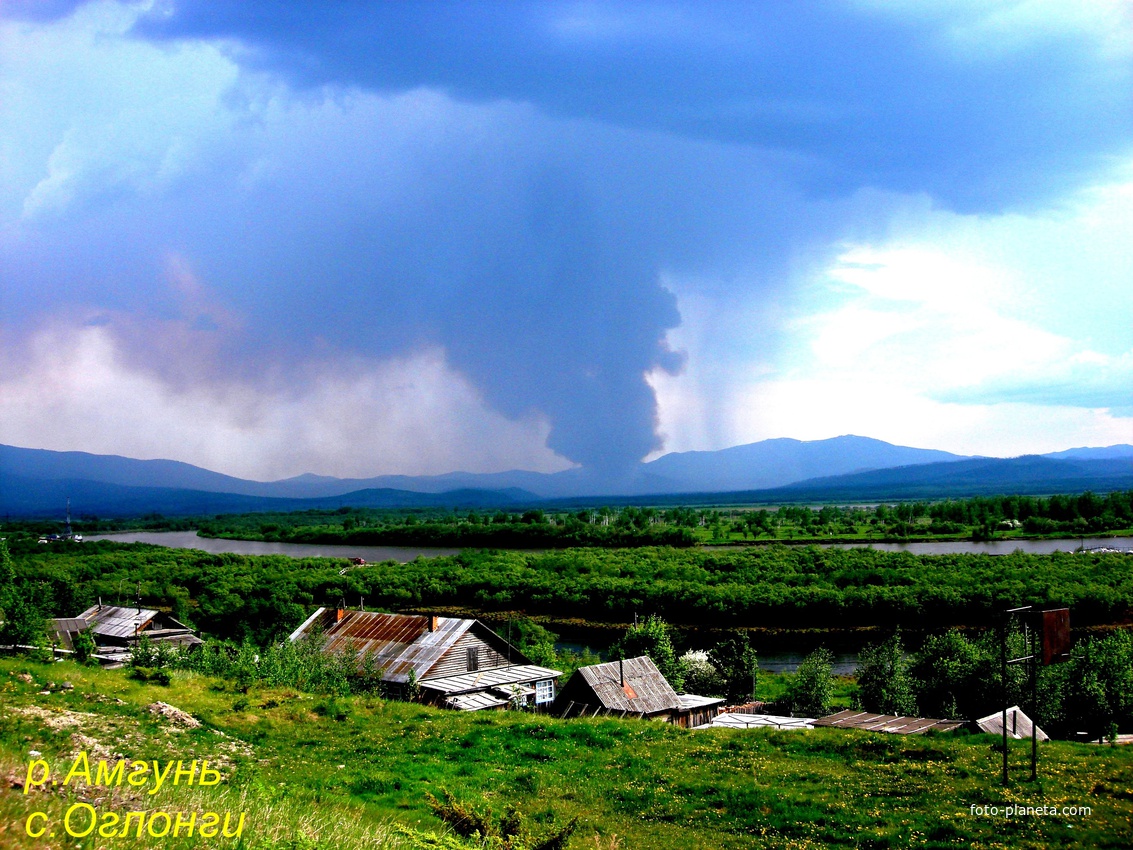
<point>456,663</point>
<point>633,687</point>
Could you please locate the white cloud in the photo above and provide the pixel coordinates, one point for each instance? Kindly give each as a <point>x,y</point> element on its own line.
<point>977,334</point>
<point>410,415</point>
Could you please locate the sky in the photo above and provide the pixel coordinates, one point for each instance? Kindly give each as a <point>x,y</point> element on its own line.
<point>359,238</point>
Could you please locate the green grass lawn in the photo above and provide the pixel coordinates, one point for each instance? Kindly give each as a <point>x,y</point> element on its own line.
<point>352,772</point>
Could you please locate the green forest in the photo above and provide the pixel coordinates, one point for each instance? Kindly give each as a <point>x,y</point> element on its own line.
<point>979,518</point>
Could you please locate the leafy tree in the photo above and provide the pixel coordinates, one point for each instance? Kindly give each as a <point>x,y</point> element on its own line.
<point>884,683</point>
<point>7,576</point>
<point>22,621</point>
<point>811,690</point>
<point>651,637</point>
<point>953,677</point>
<point>1099,693</point>
<point>738,665</point>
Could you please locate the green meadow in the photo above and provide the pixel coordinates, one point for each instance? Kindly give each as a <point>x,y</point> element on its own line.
<point>352,772</point>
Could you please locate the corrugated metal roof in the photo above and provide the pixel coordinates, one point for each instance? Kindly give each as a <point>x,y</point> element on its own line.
<point>398,643</point>
<point>851,719</point>
<point>1018,724</point>
<point>64,628</point>
<point>489,678</point>
<point>115,621</point>
<point>645,689</point>
<point>69,624</point>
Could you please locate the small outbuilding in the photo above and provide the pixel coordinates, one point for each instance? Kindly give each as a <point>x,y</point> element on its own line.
<point>632,687</point>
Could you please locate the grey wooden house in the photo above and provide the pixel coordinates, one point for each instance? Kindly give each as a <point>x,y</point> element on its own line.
<point>457,663</point>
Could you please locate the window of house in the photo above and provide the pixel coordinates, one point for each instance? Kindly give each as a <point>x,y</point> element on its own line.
<point>545,691</point>
<point>473,658</point>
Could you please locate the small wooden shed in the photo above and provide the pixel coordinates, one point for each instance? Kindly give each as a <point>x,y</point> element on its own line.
<point>632,687</point>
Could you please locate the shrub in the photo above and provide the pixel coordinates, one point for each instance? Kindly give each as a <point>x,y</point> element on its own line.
<point>884,683</point>
<point>85,647</point>
<point>811,690</point>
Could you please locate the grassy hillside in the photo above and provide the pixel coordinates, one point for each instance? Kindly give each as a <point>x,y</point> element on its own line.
<point>353,772</point>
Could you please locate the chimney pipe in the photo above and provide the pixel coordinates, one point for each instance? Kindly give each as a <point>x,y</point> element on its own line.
<point>621,673</point>
<point>339,613</point>
<point>433,622</point>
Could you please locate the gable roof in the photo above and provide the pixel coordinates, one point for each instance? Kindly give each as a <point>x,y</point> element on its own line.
<point>398,642</point>
<point>645,691</point>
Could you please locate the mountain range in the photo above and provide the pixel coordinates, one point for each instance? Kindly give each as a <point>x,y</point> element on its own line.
<point>36,482</point>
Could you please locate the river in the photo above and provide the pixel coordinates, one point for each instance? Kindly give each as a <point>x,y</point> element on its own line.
<point>405,554</point>
<point>190,540</point>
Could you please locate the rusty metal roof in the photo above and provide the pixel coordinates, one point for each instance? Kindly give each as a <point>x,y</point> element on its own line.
<point>397,643</point>
<point>851,719</point>
<point>116,621</point>
<point>645,689</point>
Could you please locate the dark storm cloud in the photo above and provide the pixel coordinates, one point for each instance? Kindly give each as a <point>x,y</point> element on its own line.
<point>893,99</point>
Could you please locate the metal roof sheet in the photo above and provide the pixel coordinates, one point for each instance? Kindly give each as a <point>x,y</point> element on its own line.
<point>689,701</point>
<point>736,720</point>
<point>645,689</point>
<point>475,702</point>
<point>851,719</point>
<point>1018,724</point>
<point>64,628</point>
<point>117,621</point>
<point>489,678</point>
<point>69,624</point>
